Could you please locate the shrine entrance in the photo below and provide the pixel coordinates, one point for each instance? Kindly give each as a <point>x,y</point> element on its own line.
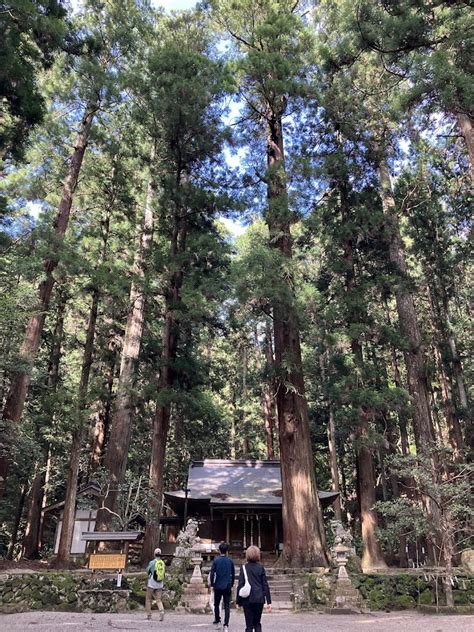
<point>244,528</point>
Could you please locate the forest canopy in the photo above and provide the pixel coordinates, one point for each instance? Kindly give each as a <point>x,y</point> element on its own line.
<point>239,231</point>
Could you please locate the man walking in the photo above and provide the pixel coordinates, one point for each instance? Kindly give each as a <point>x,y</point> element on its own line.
<point>156,575</point>
<point>222,579</point>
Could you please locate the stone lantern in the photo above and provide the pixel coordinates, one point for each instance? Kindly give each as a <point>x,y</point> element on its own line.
<point>341,554</point>
<point>345,599</point>
<point>195,596</point>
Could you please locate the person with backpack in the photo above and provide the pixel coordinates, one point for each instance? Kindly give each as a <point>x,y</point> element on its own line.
<point>156,576</point>
<point>253,590</point>
<point>221,579</point>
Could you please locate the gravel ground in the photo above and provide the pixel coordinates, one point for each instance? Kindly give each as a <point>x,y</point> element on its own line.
<point>275,622</point>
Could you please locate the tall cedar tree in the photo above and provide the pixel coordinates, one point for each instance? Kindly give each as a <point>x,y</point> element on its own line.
<point>271,39</point>
<point>186,87</point>
<point>115,462</point>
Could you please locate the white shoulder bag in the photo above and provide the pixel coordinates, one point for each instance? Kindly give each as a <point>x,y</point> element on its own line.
<point>246,588</point>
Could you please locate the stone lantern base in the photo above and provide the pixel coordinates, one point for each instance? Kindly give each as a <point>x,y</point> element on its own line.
<point>195,597</point>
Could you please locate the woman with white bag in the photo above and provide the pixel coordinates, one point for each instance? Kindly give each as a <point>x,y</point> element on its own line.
<point>253,590</point>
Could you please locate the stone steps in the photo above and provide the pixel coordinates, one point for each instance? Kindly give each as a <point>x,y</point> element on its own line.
<point>281,589</point>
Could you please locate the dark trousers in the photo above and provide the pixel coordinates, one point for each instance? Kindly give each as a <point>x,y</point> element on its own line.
<point>253,616</point>
<point>225,595</point>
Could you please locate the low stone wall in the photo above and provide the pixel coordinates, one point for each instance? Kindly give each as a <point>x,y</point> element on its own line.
<point>315,592</point>
<point>408,591</point>
<point>76,591</point>
<point>84,592</point>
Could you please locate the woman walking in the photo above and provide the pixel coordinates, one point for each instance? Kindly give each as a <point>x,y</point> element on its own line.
<point>253,573</point>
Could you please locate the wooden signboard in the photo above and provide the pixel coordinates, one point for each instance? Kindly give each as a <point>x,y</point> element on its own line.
<point>107,561</point>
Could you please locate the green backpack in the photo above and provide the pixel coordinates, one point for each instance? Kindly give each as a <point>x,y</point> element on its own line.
<point>159,572</point>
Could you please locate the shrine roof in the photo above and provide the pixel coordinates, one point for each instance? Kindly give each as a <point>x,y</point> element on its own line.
<point>233,482</point>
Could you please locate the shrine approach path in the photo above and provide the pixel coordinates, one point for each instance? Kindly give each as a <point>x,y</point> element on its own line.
<point>274,622</point>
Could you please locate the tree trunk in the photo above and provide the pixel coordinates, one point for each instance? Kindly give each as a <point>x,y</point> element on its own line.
<point>31,541</point>
<point>458,372</point>
<point>268,421</point>
<point>16,397</point>
<point>448,557</point>
<point>101,421</point>
<point>80,432</point>
<point>304,542</point>
<point>244,397</point>
<point>333,463</point>
<point>58,334</point>
<point>332,442</point>
<point>408,322</point>
<point>465,125</point>
<point>116,458</point>
<point>161,420</point>
<point>454,429</point>
<point>69,513</point>
<point>268,394</point>
<point>47,478</point>
<point>371,556</point>
<point>401,416</point>
<point>448,369</point>
<point>16,523</point>
<point>32,531</point>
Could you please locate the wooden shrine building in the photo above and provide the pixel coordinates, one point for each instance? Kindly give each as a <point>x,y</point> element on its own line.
<point>239,502</point>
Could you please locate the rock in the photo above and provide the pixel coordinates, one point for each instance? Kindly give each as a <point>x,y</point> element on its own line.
<point>467,560</point>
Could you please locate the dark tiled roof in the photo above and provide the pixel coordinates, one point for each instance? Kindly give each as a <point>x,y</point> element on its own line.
<point>226,482</point>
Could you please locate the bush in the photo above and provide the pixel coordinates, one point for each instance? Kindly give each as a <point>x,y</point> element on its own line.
<point>461,598</point>
<point>319,591</point>
<point>404,602</point>
<point>377,599</point>
<point>426,598</point>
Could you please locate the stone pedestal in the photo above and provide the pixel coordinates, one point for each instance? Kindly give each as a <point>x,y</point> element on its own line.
<point>195,597</point>
<point>345,599</point>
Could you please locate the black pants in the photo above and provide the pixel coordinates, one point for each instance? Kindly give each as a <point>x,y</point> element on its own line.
<point>253,616</point>
<point>225,595</point>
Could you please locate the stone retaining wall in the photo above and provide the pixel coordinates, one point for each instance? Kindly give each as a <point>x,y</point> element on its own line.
<point>69,591</point>
<point>408,591</point>
<point>74,591</point>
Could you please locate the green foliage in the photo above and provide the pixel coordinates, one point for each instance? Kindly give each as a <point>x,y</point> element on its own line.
<point>186,100</point>
<point>319,591</point>
<point>32,32</point>
<point>452,495</point>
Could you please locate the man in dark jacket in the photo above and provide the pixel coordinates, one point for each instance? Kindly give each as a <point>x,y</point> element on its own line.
<point>221,579</point>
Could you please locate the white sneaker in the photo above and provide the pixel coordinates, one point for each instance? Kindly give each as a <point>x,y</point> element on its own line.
<point>162,615</point>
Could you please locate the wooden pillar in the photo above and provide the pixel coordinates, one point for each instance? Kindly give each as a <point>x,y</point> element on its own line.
<point>212,524</point>
<point>227,529</point>
<point>259,533</point>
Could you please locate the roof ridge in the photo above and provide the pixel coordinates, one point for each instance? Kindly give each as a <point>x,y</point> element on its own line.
<point>235,462</point>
